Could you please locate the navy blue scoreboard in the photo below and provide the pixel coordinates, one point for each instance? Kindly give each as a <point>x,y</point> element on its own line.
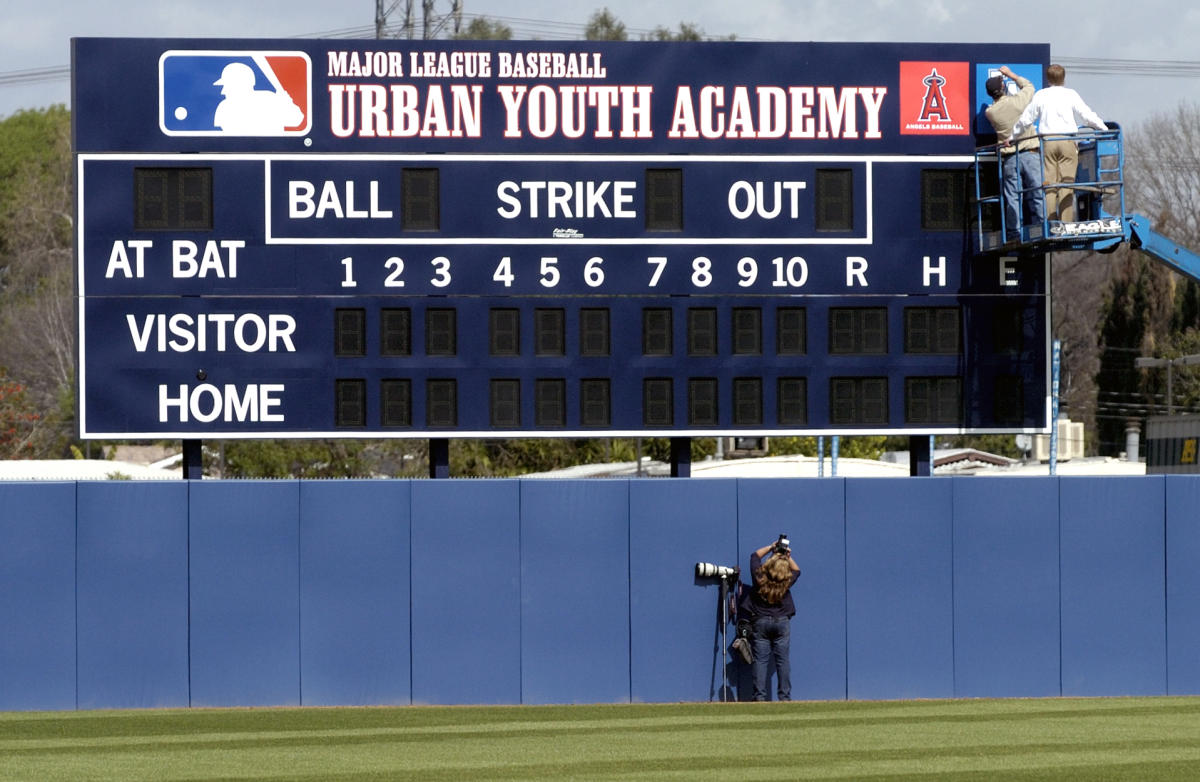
<point>339,238</point>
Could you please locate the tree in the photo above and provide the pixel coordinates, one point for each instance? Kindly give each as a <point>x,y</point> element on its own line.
<point>36,269</point>
<point>1149,310</point>
<point>483,29</point>
<point>295,459</point>
<point>1162,175</point>
<point>687,32</point>
<point>18,420</point>
<point>849,446</point>
<point>508,457</point>
<point>1162,171</point>
<point>603,26</point>
<point>1137,311</point>
<point>1185,380</point>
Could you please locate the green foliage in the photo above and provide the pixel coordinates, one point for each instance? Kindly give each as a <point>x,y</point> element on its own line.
<point>1185,380</point>
<point>1187,307</point>
<point>483,29</point>
<point>686,32</point>
<point>293,459</point>
<point>1138,310</point>
<point>36,269</point>
<point>849,446</point>
<point>659,448</point>
<point>502,458</point>
<point>1149,311</point>
<point>604,26</point>
<point>33,145</point>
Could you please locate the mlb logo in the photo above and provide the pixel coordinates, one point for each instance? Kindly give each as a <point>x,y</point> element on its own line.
<point>234,93</point>
<point>935,98</point>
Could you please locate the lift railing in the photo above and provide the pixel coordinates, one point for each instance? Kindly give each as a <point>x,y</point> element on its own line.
<point>1098,192</point>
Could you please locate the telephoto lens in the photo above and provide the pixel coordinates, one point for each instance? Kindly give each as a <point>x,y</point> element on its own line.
<point>709,570</point>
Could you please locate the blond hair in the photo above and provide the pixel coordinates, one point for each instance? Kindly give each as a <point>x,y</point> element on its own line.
<point>773,579</point>
<point>1056,75</point>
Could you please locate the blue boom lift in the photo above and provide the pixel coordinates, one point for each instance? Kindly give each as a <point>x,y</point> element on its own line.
<point>1102,223</point>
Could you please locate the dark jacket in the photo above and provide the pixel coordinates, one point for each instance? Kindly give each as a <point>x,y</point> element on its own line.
<point>751,604</point>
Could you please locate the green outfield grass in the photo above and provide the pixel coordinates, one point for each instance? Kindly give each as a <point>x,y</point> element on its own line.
<point>1143,739</point>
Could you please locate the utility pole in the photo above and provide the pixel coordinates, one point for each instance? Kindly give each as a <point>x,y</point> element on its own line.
<point>433,23</point>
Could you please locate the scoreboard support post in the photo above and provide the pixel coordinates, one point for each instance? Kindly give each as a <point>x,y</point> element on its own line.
<point>439,457</point>
<point>681,457</point>
<point>193,460</point>
<point>920,455</point>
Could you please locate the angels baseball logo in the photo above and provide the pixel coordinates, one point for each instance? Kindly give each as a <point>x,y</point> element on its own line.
<point>935,98</point>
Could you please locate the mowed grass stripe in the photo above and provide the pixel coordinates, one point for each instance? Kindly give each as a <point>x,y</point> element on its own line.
<point>1157,738</point>
<point>618,763</point>
<point>515,732</point>
<point>83,724</point>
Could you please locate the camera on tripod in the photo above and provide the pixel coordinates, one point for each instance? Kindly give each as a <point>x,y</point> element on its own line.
<point>782,546</point>
<point>709,570</point>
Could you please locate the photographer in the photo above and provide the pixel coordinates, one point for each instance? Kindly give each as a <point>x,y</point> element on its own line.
<point>769,607</point>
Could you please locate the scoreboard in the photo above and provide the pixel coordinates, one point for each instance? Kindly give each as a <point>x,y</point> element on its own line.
<point>476,238</point>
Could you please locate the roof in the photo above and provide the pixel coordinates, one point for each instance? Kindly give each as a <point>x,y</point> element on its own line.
<point>82,470</point>
<point>966,461</point>
<point>956,462</point>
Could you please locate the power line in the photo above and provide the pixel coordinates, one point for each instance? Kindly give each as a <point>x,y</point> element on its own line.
<point>34,76</point>
<point>1110,67</point>
<point>525,28</point>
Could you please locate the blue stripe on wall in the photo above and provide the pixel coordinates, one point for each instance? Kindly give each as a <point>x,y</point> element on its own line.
<point>133,595</point>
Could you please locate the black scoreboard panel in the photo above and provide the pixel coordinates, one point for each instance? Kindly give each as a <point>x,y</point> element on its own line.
<point>289,283</point>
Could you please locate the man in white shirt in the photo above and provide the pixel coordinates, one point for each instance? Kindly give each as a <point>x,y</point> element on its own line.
<point>1058,110</point>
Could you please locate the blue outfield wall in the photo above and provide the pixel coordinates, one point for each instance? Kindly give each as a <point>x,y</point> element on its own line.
<point>465,576</point>
<point>132,595</point>
<point>37,596</point>
<point>1114,614</point>
<point>1006,588</point>
<point>354,598</point>
<point>1183,584</point>
<point>899,595</point>
<point>244,575</point>
<point>254,593</point>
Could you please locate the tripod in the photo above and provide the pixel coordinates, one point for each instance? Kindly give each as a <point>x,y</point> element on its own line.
<point>723,613</point>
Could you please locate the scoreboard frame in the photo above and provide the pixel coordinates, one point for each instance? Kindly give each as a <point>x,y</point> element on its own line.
<point>267,316</point>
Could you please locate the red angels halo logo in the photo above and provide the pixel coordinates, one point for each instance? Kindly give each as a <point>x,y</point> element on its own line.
<point>935,98</point>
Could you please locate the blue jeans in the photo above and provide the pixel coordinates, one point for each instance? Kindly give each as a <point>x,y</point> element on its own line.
<point>1029,176</point>
<point>772,641</point>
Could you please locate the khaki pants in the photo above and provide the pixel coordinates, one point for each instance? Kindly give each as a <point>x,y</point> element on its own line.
<point>1062,160</point>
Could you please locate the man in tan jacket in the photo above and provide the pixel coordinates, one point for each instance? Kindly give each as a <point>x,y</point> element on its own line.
<point>1020,163</point>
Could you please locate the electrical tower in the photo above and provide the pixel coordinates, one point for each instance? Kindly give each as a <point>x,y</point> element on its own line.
<point>434,24</point>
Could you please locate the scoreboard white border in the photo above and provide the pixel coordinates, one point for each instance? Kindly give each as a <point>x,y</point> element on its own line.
<point>518,241</point>
<point>82,158</point>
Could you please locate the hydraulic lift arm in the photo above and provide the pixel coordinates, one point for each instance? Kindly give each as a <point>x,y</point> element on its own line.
<point>1142,237</point>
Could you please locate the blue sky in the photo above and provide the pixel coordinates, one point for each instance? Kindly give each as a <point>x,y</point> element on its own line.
<point>37,34</point>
